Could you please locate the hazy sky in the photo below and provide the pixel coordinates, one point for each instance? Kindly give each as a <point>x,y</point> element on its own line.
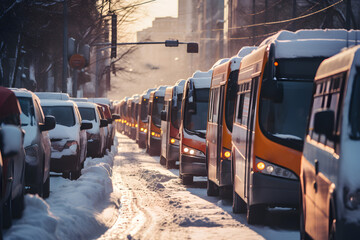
<point>158,8</point>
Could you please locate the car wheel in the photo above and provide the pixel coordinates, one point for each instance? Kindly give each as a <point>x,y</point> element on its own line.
<point>255,214</point>
<point>187,179</point>
<point>211,188</point>
<point>46,188</point>
<point>238,205</point>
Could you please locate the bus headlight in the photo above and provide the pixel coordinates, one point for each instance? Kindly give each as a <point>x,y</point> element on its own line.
<point>272,169</point>
<point>174,141</point>
<point>193,152</point>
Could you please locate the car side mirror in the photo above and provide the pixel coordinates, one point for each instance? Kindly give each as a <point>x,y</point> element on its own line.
<point>86,125</point>
<point>272,90</point>
<point>115,116</point>
<point>103,123</point>
<point>163,115</point>
<point>50,123</point>
<point>11,140</point>
<point>324,123</point>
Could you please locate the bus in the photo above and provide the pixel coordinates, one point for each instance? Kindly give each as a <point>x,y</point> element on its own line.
<point>329,179</point>
<point>275,86</point>
<point>123,108</point>
<point>128,116</point>
<point>170,123</point>
<point>141,132</point>
<point>134,100</point>
<point>194,108</point>
<point>222,97</point>
<point>156,104</point>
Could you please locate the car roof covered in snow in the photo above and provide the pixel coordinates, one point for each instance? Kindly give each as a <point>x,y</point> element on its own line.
<point>86,105</point>
<point>79,99</point>
<point>54,102</point>
<point>311,42</point>
<point>53,95</point>
<point>339,63</point>
<point>22,92</point>
<point>100,100</point>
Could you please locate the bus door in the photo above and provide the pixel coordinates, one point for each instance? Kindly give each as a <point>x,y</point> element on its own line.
<point>253,87</point>
<point>219,131</point>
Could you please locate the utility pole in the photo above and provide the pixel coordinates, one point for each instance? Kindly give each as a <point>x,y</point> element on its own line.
<point>65,49</point>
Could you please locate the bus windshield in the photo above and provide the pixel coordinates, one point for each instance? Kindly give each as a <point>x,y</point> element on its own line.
<point>354,114</point>
<point>231,93</point>
<point>176,112</point>
<point>285,121</point>
<point>196,122</point>
<point>144,110</point>
<point>157,107</point>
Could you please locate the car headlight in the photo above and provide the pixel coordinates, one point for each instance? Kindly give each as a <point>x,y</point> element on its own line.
<point>268,168</point>
<point>351,199</point>
<point>174,141</point>
<point>192,152</point>
<point>32,154</point>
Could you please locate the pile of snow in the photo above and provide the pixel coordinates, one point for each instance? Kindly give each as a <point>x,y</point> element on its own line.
<point>80,209</point>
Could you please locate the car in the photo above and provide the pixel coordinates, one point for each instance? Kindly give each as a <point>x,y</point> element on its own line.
<point>68,138</point>
<point>14,164</point>
<point>96,139</point>
<point>10,145</point>
<point>36,143</point>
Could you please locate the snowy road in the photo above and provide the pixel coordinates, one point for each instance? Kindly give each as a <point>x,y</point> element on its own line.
<point>154,205</point>
<point>129,195</point>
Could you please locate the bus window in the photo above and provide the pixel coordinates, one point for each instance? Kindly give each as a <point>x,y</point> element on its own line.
<point>144,110</point>
<point>230,99</point>
<point>196,122</point>
<point>158,106</point>
<point>176,112</point>
<point>354,114</point>
<point>285,121</point>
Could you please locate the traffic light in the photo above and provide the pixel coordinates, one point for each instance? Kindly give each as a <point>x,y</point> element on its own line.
<point>113,35</point>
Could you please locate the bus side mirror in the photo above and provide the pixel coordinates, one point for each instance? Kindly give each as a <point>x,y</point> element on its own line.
<point>163,115</point>
<point>324,123</point>
<point>272,90</point>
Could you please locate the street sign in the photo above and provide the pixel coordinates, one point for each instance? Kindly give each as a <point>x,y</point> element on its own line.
<point>77,61</point>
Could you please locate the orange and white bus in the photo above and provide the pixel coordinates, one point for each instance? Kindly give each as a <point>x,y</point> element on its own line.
<point>194,109</point>
<point>156,104</point>
<point>141,132</point>
<point>223,92</point>
<point>275,85</point>
<point>170,123</point>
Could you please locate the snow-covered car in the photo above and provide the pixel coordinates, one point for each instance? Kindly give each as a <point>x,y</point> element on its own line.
<point>36,142</point>
<point>10,144</point>
<point>68,138</point>
<point>53,95</point>
<point>106,128</point>
<point>96,139</point>
<point>14,164</point>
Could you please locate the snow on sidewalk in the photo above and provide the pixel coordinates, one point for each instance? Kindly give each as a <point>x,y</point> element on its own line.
<point>80,209</point>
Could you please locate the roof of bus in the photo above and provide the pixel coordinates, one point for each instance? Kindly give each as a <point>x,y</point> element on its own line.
<point>160,91</point>
<point>246,50</point>
<point>339,63</point>
<point>312,42</point>
<point>220,61</point>
<point>200,74</point>
<point>180,86</point>
<point>201,82</point>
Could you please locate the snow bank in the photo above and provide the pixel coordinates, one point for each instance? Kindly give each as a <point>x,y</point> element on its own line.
<point>74,208</point>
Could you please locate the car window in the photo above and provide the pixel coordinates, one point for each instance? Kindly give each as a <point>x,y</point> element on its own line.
<point>64,115</point>
<point>27,115</point>
<point>87,113</point>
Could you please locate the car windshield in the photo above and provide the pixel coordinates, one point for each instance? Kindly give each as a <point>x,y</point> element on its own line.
<point>87,113</point>
<point>196,121</point>
<point>157,107</point>
<point>354,114</point>
<point>231,93</point>
<point>144,109</point>
<point>27,115</point>
<point>176,112</point>
<point>64,115</point>
<point>285,121</point>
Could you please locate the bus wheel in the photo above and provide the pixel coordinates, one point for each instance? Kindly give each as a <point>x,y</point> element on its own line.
<point>211,188</point>
<point>162,160</point>
<point>255,214</point>
<point>239,205</point>
<point>170,164</point>
<point>187,180</point>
